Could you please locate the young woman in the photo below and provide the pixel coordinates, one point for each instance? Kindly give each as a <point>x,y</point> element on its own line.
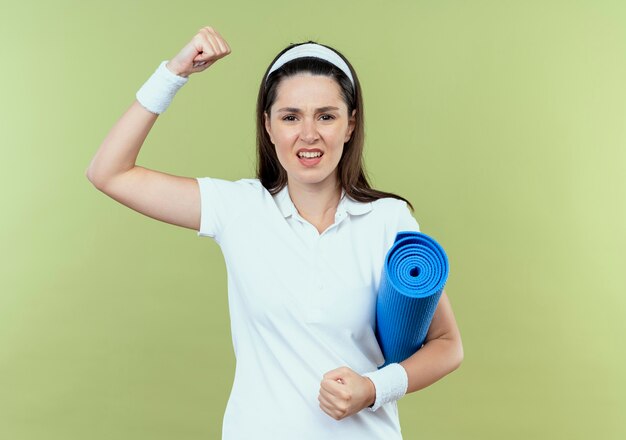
<point>304,245</point>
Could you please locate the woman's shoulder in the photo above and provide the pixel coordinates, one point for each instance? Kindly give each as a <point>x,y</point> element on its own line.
<point>395,211</point>
<point>386,203</point>
<point>241,181</point>
<point>241,191</point>
<point>244,184</point>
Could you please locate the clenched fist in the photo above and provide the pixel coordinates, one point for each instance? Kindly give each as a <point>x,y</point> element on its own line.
<point>205,48</point>
<point>344,392</point>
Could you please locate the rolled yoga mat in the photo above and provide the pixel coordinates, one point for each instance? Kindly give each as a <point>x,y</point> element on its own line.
<point>414,274</point>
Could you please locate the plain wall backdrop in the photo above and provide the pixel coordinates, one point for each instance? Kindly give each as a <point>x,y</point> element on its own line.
<point>503,122</point>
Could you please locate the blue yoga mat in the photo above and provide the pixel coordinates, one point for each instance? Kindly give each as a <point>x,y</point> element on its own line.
<point>414,274</point>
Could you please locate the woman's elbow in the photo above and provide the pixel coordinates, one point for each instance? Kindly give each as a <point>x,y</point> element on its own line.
<point>458,354</point>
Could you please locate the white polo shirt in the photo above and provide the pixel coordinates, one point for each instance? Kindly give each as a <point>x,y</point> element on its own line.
<point>301,304</point>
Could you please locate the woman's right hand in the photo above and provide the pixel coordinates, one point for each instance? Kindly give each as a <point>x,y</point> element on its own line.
<point>205,48</point>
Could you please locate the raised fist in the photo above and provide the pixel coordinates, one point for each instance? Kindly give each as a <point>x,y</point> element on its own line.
<point>205,48</point>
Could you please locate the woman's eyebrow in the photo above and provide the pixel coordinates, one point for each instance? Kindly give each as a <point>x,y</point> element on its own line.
<point>297,110</point>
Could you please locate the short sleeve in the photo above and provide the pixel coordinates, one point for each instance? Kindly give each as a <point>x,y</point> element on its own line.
<point>220,202</point>
<point>406,222</point>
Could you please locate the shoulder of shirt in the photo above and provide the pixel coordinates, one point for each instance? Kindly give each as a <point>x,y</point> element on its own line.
<point>389,202</point>
<point>254,183</point>
<point>245,182</point>
<point>391,209</point>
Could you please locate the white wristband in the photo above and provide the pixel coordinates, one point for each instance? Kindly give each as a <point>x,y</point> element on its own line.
<point>391,383</point>
<point>157,93</point>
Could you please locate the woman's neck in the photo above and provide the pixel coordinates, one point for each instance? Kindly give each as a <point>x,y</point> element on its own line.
<point>316,203</point>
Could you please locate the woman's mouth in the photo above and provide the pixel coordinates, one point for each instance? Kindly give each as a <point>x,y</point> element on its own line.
<point>310,158</point>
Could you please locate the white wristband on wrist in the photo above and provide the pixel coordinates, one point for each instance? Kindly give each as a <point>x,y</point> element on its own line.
<point>391,383</point>
<point>158,91</point>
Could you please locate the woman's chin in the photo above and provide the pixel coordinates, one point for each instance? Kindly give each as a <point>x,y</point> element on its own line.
<point>311,178</point>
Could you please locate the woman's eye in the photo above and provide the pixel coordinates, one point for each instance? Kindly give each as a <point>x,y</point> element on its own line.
<point>292,118</point>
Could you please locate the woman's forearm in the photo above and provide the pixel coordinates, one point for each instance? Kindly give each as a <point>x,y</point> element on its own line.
<point>433,361</point>
<point>119,150</point>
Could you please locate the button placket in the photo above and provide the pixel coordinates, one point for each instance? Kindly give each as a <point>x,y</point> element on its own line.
<point>316,301</point>
<point>319,283</point>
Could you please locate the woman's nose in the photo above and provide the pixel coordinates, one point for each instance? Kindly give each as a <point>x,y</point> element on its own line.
<point>308,131</point>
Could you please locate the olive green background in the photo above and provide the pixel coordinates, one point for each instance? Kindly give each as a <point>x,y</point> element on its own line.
<point>503,122</point>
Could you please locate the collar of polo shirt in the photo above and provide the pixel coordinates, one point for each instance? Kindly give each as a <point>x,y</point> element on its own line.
<point>346,204</point>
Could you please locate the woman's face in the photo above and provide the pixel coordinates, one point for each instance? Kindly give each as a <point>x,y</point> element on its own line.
<point>308,125</point>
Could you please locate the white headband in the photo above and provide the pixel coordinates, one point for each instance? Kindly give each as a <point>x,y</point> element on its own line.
<point>312,50</point>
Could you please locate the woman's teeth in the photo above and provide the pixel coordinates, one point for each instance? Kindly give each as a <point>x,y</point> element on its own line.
<point>309,155</point>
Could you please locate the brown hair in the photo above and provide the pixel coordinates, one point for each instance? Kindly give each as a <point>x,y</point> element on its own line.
<point>351,173</point>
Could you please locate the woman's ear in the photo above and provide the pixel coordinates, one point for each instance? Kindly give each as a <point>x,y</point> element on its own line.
<point>351,125</point>
<point>268,127</point>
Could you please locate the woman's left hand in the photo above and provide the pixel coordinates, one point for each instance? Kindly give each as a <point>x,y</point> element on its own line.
<point>344,392</point>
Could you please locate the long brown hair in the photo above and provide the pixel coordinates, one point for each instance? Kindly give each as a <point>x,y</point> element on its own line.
<point>351,172</point>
